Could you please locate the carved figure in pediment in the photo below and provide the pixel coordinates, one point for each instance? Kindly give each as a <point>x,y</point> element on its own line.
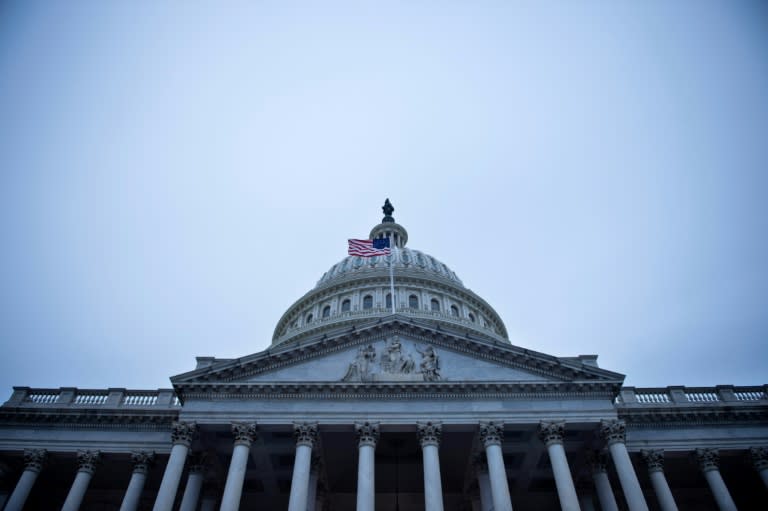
<point>395,361</point>
<point>430,364</point>
<point>360,368</point>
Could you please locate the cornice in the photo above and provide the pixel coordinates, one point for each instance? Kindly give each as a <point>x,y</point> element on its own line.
<point>136,420</point>
<point>693,416</point>
<point>400,391</point>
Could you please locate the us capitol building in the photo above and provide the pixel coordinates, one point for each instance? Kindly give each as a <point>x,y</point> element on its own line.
<point>356,407</point>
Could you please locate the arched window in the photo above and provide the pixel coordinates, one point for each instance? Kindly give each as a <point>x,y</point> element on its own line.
<point>434,305</point>
<point>389,301</point>
<point>346,305</point>
<point>454,311</point>
<point>413,302</point>
<point>326,311</point>
<point>309,318</point>
<point>471,317</point>
<point>368,302</point>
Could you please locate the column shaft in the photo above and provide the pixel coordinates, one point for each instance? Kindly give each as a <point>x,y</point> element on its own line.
<point>192,491</point>
<point>498,478</point>
<point>604,491</point>
<point>312,492</point>
<point>300,481</point>
<point>233,488</point>
<point>627,477</point>
<point>719,490</point>
<point>586,503</point>
<point>22,490</point>
<point>663,493</point>
<point>433,486</point>
<point>77,491</point>
<point>133,493</point>
<point>566,491</point>
<point>166,495</point>
<point>365,478</point>
<point>486,497</point>
<point>208,504</point>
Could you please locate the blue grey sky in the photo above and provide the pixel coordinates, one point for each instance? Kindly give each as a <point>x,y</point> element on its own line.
<point>173,175</point>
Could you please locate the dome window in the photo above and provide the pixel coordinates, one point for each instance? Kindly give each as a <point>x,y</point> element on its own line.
<point>346,305</point>
<point>413,302</point>
<point>434,305</point>
<point>368,302</point>
<point>389,301</point>
<point>471,317</point>
<point>309,318</point>
<point>454,311</point>
<point>326,311</point>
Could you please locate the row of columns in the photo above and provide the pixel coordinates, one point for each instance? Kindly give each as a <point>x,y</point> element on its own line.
<point>492,477</point>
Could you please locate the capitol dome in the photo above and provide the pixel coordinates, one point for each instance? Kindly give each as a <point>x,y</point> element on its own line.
<point>359,288</point>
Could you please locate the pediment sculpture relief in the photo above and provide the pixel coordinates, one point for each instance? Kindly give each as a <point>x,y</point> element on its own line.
<point>395,363</point>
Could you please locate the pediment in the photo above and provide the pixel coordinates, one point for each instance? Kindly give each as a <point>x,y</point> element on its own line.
<point>394,350</point>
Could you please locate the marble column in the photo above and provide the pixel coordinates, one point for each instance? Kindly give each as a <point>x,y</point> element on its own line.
<point>598,462</point>
<point>491,436</point>
<point>429,437</point>
<point>33,464</point>
<point>245,434</point>
<point>306,436</point>
<point>182,434</point>
<point>586,502</point>
<point>86,466</point>
<point>210,497</point>
<point>314,480</point>
<point>367,436</point>
<point>483,482</point>
<point>551,433</point>
<point>709,462</point>
<point>654,459</point>
<point>614,432</point>
<point>142,460</point>
<point>196,474</point>
<point>760,461</point>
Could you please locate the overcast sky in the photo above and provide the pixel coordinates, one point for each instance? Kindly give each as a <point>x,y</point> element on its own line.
<point>174,175</point>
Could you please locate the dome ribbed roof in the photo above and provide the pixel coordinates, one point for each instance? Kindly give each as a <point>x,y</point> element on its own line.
<point>404,259</point>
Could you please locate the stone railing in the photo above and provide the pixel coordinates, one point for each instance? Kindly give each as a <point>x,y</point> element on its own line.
<point>341,317</point>
<point>680,395</point>
<point>24,397</point>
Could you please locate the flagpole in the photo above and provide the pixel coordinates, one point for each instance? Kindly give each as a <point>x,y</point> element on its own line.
<point>392,276</point>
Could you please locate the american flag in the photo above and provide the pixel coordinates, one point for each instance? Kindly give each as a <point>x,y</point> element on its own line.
<point>369,248</point>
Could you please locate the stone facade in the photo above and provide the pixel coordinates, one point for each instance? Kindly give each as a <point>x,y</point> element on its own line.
<point>366,408</point>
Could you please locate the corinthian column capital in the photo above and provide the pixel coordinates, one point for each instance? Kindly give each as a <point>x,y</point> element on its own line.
<point>87,461</point>
<point>305,433</point>
<point>244,433</point>
<point>34,459</point>
<point>491,433</point>
<point>183,433</point>
<point>654,459</point>
<point>142,460</point>
<point>429,433</point>
<point>613,431</point>
<point>709,459</point>
<point>367,433</point>
<point>551,432</point>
